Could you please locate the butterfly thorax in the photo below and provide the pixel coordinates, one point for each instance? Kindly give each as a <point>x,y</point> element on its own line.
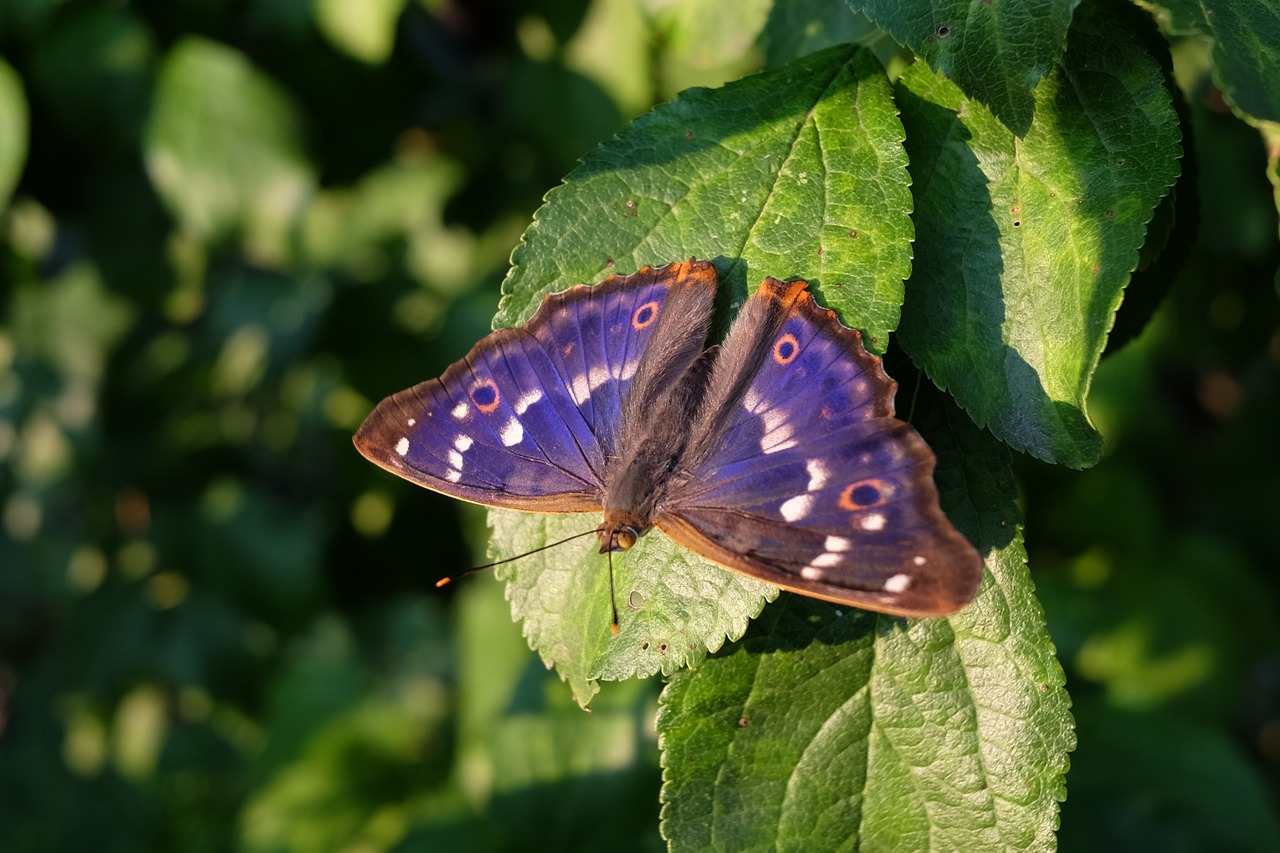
<point>635,487</point>
<point>648,460</point>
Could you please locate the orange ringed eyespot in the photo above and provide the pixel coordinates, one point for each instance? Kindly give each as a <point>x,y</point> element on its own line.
<point>645,315</point>
<point>861,495</point>
<point>786,349</point>
<point>486,396</point>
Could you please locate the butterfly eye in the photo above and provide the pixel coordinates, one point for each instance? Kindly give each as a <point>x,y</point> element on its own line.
<point>626,538</point>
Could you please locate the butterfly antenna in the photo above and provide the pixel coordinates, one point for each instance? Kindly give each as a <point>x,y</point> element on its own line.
<point>915,393</point>
<point>475,569</point>
<point>613,600</point>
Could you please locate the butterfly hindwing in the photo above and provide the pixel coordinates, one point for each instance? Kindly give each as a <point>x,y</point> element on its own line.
<point>849,515</point>
<point>799,475</point>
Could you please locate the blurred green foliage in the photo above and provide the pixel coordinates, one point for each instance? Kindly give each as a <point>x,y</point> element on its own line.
<point>234,225</point>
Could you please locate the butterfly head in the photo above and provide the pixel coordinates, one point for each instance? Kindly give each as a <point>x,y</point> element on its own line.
<point>617,536</point>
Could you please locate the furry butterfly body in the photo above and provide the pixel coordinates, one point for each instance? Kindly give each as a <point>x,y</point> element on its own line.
<point>775,453</point>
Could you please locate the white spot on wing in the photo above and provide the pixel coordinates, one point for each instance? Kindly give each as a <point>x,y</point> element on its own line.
<point>794,509</point>
<point>402,446</point>
<point>838,543</point>
<point>873,521</point>
<point>628,369</point>
<point>777,432</point>
<point>580,388</point>
<point>453,476</point>
<point>810,573</point>
<point>512,433</point>
<point>412,421</point>
<point>526,400</point>
<point>750,400</point>
<point>455,459</point>
<point>823,561</point>
<point>819,473</point>
<point>462,443</point>
<point>919,560</point>
<point>897,583</point>
<point>460,411</point>
<point>778,440</point>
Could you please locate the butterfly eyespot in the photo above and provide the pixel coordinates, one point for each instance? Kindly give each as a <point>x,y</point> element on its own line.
<point>486,396</point>
<point>862,495</point>
<point>645,315</point>
<point>786,349</point>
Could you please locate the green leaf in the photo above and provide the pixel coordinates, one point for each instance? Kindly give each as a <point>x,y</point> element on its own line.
<point>1177,17</point>
<point>800,27</point>
<point>1246,55</point>
<point>709,32</point>
<point>853,731</point>
<point>366,31</point>
<point>1271,135</point>
<point>1246,49</point>
<point>996,53</point>
<point>222,148</point>
<point>13,131</point>
<point>672,605</point>
<point>1025,245</point>
<point>798,172</point>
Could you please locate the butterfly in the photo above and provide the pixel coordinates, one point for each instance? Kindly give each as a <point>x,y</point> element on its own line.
<point>775,453</point>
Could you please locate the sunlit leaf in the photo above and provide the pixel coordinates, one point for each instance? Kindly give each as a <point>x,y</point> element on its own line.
<point>1025,245</point>
<point>365,30</point>
<point>996,53</point>
<point>13,131</point>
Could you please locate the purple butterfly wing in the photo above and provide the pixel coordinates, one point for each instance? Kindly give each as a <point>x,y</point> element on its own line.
<point>798,474</point>
<point>529,418</point>
<point>497,428</point>
<point>597,337</point>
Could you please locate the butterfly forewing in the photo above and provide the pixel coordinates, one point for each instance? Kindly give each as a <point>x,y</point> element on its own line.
<point>497,428</point>
<point>605,339</point>
<point>531,416</point>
